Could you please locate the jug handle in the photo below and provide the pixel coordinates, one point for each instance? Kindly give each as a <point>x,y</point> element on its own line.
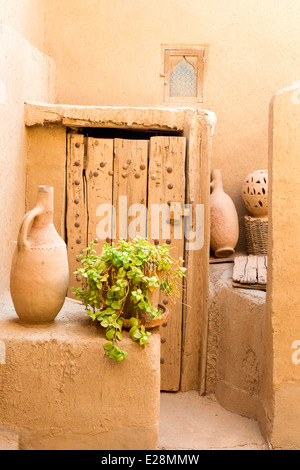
<point>28,219</point>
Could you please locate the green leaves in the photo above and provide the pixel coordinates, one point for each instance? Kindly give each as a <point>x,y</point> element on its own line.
<point>110,333</point>
<point>108,346</point>
<point>105,323</point>
<point>137,296</point>
<point>134,321</point>
<point>114,352</point>
<point>125,271</point>
<point>116,305</point>
<point>138,334</point>
<point>156,313</point>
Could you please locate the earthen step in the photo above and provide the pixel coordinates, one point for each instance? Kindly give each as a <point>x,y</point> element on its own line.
<point>8,440</point>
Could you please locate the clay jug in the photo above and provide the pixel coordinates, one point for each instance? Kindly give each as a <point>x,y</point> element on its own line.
<point>39,273</point>
<point>224,225</point>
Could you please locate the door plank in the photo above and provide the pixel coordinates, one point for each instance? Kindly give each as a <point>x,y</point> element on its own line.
<point>195,312</point>
<point>76,204</point>
<point>130,180</point>
<point>99,178</point>
<point>167,184</point>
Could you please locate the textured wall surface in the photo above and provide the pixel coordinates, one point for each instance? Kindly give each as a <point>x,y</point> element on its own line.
<point>27,17</point>
<point>235,363</point>
<point>109,53</point>
<point>59,391</point>
<point>26,74</point>
<point>284,272</point>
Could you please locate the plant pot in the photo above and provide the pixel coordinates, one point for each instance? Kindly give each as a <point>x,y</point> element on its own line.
<point>145,319</point>
<point>129,307</point>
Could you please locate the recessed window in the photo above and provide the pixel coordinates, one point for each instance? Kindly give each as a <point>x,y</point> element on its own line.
<point>183,81</point>
<point>183,72</point>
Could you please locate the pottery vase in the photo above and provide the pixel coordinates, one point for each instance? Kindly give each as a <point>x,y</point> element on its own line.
<point>224,228</point>
<point>39,273</point>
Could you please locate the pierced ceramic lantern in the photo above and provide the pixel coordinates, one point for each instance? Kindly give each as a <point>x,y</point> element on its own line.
<point>255,193</point>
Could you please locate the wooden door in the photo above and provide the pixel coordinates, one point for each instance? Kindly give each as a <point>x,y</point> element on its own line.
<point>122,173</point>
<point>167,185</point>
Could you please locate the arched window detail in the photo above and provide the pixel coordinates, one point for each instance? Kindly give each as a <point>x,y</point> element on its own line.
<point>183,82</point>
<point>183,70</point>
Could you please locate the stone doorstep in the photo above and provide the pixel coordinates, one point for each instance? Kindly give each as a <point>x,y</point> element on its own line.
<point>9,440</point>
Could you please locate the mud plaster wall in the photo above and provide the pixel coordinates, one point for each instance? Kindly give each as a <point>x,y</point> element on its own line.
<point>282,396</point>
<point>109,53</point>
<point>235,365</point>
<point>74,408</point>
<point>274,371</point>
<point>25,74</point>
<point>27,17</point>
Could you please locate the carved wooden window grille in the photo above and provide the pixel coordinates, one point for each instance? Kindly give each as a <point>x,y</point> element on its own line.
<point>183,73</point>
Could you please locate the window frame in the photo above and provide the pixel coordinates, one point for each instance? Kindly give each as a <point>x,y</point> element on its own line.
<point>172,55</point>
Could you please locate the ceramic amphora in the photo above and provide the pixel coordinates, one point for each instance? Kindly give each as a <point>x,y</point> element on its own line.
<point>39,273</point>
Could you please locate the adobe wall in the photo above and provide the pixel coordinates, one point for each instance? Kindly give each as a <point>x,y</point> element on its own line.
<point>235,358</point>
<point>283,307</point>
<point>26,73</point>
<point>27,17</point>
<point>59,391</point>
<point>109,53</point>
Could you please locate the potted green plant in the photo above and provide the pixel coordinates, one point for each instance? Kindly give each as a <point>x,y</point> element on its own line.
<point>119,287</point>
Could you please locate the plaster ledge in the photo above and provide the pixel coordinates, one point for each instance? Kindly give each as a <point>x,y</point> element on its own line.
<point>168,119</point>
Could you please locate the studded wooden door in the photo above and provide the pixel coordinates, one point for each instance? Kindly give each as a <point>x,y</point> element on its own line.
<point>124,173</point>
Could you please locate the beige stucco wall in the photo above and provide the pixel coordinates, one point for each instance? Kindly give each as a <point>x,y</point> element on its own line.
<point>25,74</point>
<point>26,17</point>
<point>109,53</point>
<point>273,333</point>
<point>58,390</point>
<point>284,273</point>
<point>236,371</point>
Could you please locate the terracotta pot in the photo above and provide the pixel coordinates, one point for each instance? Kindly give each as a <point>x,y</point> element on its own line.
<point>129,312</point>
<point>129,307</point>
<point>255,193</point>
<point>147,323</point>
<point>40,273</point>
<point>224,223</point>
